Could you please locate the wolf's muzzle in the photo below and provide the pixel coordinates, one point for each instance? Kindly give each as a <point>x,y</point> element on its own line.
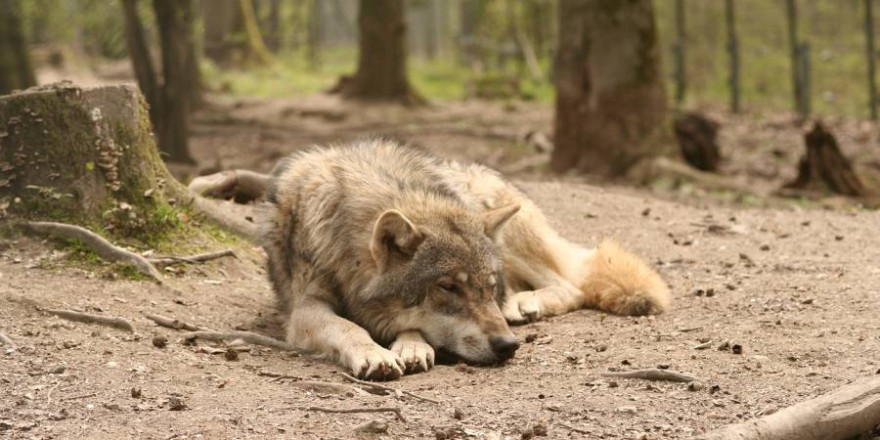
<point>504,347</point>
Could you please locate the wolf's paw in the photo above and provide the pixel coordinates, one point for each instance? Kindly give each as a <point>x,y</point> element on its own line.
<point>522,307</point>
<point>416,354</point>
<point>374,363</point>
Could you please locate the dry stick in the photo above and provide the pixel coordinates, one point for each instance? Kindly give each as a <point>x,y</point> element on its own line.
<point>83,396</point>
<point>6,341</point>
<point>376,386</point>
<point>109,321</point>
<point>98,244</point>
<point>844,413</point>
<point>671,376</point>
<point>172,323</point>
<point>192,259</point>
<point>394,410</point>
<point>248,337</point>
<point>574,428</point>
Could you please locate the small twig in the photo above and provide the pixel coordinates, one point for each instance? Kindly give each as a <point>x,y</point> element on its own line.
<point>376,386</point>
<point>83,396</point>
<point>703,346</point>
<point>49,394</point>
<point>277,377</point>
<point>109,321</point>
<point>98,244</point>
<point>394,410</point>
<point>172,323</point>
<point>574,428</point>
<point>248,337</point>
<point>4,340</point>
<point>192,259</point>
<point>670,376</point>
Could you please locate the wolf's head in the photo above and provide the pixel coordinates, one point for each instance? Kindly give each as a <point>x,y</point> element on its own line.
<point>442,276</point>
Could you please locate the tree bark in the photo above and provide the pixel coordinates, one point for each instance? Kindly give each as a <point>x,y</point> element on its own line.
<point>15,67</point>
<point>610,100</point>
<point>698,138</point>
<point>824,168</point>
<point>141,60</point>
<point>232,34</point>
<point>174,18</point>
<point>381,72</point>
<point>86,157</point>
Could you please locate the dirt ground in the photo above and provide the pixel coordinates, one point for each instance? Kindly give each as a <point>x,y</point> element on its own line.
<point>797,288</point>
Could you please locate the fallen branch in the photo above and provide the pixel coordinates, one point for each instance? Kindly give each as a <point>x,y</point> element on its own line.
<point>394,410</point>
<point>845,413</point>
<point>192,259</point>
<point>373,386</point>
<point>172,323</point>
<point>248,337</point>
<point>98,244</point>
<point>6,341</point>
<point>109,321</point>
<point>652,374</point>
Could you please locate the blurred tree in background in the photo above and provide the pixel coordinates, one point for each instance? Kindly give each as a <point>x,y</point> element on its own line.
<point>610,101</point>
<point>15,65</point>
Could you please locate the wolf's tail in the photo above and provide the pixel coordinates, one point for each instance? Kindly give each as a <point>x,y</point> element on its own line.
<point>619,282</point>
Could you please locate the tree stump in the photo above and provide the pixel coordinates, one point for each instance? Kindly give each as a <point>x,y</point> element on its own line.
<point>698,138</point>
<point>824,168</point>
<point>86,156</point>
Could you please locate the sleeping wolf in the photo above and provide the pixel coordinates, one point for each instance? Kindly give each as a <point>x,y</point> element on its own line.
<point>376,245</point>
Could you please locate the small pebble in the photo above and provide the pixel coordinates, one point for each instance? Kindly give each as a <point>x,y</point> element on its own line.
<point>160,341</point>
<point>373,427</point>
<point>765,247</point>
<point>737,349</point>
<point>457,414</point>
<point>136,393</point>
<point>176,404</point>
<point>231,355</point>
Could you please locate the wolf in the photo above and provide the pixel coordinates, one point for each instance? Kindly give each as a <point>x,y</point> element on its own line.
<point>383,256</point>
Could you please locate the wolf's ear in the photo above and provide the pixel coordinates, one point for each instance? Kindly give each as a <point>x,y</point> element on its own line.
<point>497,218</point>
<point>394,236</point>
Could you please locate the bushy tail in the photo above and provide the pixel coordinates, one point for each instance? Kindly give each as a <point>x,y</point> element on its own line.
<point>619,282</point>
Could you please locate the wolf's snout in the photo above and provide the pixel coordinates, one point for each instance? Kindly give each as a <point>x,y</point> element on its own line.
<point>504,347</point>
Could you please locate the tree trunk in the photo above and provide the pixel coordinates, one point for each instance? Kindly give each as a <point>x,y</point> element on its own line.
<point>15,66</point>
<point>610,100</point>
<point>85,156</point>
<point>381,72</point>
<point>174,18</point>
<point>232,35</point>
<point>141,60</point>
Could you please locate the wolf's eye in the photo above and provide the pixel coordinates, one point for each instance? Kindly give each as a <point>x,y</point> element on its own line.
<point>449,287</point>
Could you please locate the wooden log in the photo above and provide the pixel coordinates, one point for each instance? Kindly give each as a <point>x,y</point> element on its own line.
<point>842,414</point>
<point>824,168</point>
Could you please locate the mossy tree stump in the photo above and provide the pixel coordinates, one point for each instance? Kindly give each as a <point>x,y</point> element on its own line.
<point>824,168</point>
<point>86,156</point>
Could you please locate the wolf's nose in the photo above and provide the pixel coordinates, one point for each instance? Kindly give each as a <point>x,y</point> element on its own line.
<point>504,347</point>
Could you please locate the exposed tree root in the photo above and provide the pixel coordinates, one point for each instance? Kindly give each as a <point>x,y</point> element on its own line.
<point>109,321</point>
<point>216,213</point>
<point>98,244</point>
<point>242,185</point>
<point>397,412</point>
<point>172,323</point>
<point>373,387</point>
<point>652,374</point>
<point>845,413</point>
<point>248,337</point>
<point>192,259</point>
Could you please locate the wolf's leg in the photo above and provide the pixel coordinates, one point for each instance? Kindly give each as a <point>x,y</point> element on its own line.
<point>313,325</point>
<point>416,353</point>
<point>551,295</point>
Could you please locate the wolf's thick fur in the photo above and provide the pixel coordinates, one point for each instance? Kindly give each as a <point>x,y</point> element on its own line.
<point>377,243</point>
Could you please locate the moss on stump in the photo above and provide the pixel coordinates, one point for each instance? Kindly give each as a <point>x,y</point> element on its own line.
<point>85,156</point>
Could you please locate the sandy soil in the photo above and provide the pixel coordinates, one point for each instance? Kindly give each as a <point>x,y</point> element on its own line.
<point>798,290</point>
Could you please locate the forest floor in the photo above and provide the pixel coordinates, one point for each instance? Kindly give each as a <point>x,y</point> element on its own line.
<point>795,285</point>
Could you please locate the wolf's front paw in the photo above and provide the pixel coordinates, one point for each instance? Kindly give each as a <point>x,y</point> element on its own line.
<point>416,354</point>
<point>522,307</point>
<point>374,363</point>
